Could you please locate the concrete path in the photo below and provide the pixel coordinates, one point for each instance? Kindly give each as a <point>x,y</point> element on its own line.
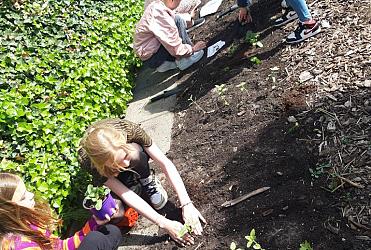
<point>157,119</point>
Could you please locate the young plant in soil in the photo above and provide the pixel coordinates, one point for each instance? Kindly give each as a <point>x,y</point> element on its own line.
<point>220,90</point>
<point>305,246</point>
<point>253,39</point>
<point>95,196</point>
<point>251,242</point>
<point>185,229</point>
<point>255,60</point>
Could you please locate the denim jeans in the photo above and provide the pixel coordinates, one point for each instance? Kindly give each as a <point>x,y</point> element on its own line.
<point>301,8</point>
<point>162,54</point>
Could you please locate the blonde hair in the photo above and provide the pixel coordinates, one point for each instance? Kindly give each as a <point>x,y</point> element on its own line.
<point>101,145</point>
<point>17,219</point>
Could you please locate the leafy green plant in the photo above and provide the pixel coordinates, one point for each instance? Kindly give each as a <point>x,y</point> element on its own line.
<point>251,242</point>
<point>63,65</point>
<point>94,196</point>
<point>252,38</point>
<point>255,60</point>
<point>305,246</point>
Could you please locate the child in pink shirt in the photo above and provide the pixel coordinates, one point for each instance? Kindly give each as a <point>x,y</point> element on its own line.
<point>161,40</point>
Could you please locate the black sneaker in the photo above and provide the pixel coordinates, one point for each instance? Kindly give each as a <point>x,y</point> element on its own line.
<point>288,16</point>
<point>196,23</point>
<point>304,31</point>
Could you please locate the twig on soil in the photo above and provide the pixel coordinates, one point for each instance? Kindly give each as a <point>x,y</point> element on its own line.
<point>244,197</point>
<point>199,245</point>
<point>359,225</point>
<point>350,182</point>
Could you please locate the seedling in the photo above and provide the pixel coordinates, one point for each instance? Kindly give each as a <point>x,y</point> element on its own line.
<point>255,60</point>
<point>232,49</point>
<point>251,242</point>
<point>220,90</point>
<point>95,196</point>
<point>318,171</point>
<point>305,246</point>
<point>253,39</point>
<point>185,229</point>
<point>241,86</point>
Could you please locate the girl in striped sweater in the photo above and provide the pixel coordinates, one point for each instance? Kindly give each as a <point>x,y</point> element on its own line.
<point>26,224</point>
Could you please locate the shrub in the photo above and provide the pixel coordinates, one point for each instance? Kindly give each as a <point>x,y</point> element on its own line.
<point>63,65</point>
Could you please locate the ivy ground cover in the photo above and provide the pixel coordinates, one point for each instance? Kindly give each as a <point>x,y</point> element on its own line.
<point>63,65</point>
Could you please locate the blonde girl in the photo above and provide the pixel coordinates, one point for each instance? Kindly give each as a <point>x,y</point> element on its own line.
<point>117,152</point>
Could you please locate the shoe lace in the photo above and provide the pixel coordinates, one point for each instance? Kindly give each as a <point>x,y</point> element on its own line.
<point>151,187</point>
<point>299,29</point>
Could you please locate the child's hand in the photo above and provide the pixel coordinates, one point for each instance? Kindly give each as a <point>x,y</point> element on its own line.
<point>108,218</point>
<point>173,228</point>
<point>192,217</point>
<point>199,46</point>
<point>244,15</point>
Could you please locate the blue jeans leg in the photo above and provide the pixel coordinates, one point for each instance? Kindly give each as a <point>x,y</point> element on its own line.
<point>301,8</point>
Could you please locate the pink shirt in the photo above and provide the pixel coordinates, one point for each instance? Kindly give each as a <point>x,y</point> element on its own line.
<point>157,26</point>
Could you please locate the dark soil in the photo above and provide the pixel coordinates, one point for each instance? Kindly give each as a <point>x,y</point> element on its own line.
<point>226,144</point>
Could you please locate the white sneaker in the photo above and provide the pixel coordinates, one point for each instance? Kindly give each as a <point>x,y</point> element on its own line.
<point>166,66</point>
<point>186,62</point>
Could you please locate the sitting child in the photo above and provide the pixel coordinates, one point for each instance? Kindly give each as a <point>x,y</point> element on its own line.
<point>26,224</point>
<point>161,40</point>
<point>116,152</point>
<point>187,11</point>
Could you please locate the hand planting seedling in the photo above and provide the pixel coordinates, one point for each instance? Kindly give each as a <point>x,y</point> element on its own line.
<point>185,229</point>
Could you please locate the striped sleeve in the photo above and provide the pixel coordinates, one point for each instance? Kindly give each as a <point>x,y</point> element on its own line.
<point>74,242</point>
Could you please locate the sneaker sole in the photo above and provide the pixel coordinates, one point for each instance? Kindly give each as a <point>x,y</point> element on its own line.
<point>302,39</point>
<point>196,26</point>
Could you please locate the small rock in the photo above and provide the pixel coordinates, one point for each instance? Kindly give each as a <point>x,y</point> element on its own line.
<point>241,113</point>
<point>325,24</point>
<point>285,208</point>
<point>348,104</point>
<point>305,76</point>
<point>291,119</point>
<point>357,179</point>
<point>234,149</point>
<point>367,83</point>
<point>317,71</point>
<point>279,173</point>
<point>331,126</point>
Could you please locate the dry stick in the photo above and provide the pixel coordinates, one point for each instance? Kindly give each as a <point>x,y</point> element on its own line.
<point>244,197</point>
<point>199,245</point>
<point>350,182</point>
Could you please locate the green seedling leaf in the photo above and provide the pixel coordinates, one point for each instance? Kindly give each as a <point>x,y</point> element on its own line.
<point>305,246</point>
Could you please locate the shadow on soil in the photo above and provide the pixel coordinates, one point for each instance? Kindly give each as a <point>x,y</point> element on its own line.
<point>293,210</point>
